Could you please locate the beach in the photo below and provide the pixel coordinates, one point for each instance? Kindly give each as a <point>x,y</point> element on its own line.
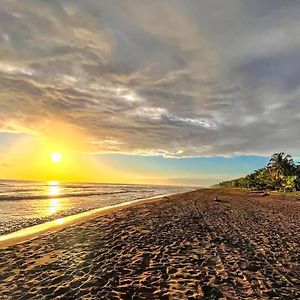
<point>204,244</point>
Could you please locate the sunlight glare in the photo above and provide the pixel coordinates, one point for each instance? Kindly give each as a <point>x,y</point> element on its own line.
<point>56,157</point>
<point>54,203</point>
<point>53,182</point>
<point>53,189</point>
<point>60,221</point>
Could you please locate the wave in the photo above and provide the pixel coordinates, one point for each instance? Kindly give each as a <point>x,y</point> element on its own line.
<point>39,197</point>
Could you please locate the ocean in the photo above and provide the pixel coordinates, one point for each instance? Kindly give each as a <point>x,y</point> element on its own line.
<point>24,204</point>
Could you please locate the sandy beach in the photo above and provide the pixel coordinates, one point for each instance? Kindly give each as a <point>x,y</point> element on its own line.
<point>245,245</point>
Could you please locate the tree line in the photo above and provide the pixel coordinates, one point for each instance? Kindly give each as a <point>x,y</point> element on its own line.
<point>281,173</point>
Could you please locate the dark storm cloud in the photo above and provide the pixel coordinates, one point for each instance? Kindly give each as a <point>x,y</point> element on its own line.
<point>162,77</point>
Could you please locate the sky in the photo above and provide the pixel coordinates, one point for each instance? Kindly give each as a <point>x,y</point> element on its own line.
<point>169,91</point>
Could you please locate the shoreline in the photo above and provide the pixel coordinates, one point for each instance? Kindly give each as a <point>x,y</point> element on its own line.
<point>49,227</point>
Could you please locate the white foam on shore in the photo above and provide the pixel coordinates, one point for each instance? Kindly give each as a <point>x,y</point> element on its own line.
<point>35,231</point>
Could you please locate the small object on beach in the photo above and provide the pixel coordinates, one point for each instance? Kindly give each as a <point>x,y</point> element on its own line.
<point>265,194</point>
<point>217,199</point>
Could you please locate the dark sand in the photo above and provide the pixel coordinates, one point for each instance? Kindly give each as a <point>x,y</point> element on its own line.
<point>188,246</point>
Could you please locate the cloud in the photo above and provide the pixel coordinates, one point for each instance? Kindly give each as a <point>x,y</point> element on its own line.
<point>159,114</point>
<point>11,69</point>
<point>201,78</point>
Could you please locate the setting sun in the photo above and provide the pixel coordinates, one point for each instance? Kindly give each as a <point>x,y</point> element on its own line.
<point>56,157</point>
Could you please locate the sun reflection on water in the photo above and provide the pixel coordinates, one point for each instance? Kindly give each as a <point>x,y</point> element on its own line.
<point>60,221</point>
<point>54,204</point>
<point>53,190</point>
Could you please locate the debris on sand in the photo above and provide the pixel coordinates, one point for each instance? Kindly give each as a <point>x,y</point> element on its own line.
<point>217,199</point>
<point>265,194</point>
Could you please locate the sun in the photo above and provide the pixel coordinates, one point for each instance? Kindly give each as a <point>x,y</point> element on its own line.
<point>56,157</point>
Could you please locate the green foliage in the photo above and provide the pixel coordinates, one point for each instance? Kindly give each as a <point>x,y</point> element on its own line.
<point>289,183</point>
<point>281,173</point>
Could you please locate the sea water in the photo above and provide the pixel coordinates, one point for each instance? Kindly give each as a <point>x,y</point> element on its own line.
<point>24,204</point>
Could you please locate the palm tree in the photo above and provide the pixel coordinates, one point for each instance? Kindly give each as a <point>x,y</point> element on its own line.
<point>281,165</point>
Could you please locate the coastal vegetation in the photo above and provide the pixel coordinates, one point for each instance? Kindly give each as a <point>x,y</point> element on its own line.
<point>281,173</point>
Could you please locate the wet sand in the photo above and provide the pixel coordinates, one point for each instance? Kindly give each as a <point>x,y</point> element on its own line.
<point>186,246</point>
<point>32,232</point>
